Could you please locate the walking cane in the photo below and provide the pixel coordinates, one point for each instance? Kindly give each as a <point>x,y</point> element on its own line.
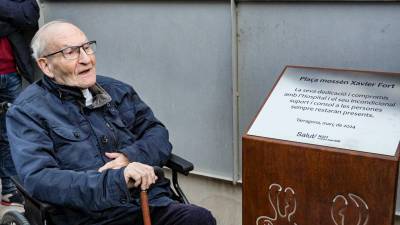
<point>144,203</point>
<point>144,200</point>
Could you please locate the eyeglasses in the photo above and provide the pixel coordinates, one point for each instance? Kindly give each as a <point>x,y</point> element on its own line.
<point>73,52</point>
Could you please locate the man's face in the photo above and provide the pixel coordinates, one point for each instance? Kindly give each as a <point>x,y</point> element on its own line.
<point>80,72</point>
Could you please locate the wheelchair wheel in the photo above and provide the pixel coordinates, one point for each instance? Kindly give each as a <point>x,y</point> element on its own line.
<point>14,217</point>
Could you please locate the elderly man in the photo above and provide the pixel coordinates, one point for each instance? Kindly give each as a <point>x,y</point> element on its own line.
<point>87,143</point>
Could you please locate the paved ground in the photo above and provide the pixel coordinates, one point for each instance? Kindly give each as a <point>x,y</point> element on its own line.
<point>4,209</point>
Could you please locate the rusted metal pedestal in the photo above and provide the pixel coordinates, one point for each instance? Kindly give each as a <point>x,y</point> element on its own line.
<point>292,183</point>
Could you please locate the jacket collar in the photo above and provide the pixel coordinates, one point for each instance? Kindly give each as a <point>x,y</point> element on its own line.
<point>100,96</point>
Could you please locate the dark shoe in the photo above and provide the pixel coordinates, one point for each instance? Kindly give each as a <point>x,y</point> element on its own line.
<point>12,199</point>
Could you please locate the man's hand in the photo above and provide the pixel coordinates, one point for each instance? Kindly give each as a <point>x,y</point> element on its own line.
<point>119,161</point>
<point>136,174</point>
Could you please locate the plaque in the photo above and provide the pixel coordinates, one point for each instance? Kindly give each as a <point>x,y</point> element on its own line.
<point>355,110</point>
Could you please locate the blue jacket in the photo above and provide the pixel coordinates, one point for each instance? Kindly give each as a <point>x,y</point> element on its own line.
<point>58,144</point>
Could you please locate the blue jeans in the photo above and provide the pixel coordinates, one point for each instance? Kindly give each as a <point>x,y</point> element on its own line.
<point>10,87</point>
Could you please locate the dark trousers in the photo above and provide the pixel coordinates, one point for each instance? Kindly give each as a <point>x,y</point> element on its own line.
<point>174,214</point>
<point>10,87</point>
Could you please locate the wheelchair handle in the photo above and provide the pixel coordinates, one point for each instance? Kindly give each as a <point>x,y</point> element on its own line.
<point>4,107</point>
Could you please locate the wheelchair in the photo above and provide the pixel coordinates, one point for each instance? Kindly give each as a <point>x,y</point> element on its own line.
<point>37,212</point>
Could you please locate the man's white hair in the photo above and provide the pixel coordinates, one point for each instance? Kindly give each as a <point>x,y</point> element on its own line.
<point>38,43</point>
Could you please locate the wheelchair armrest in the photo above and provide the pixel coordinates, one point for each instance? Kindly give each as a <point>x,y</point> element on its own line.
<point>178,164</point>
<point>42,206</point>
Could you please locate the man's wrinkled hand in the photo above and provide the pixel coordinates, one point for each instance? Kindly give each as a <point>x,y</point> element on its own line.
<point>119,160</point>
<point>136,174</point>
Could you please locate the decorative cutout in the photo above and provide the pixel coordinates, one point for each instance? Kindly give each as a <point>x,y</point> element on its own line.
<point>275,198</point>
<point>349,212</point>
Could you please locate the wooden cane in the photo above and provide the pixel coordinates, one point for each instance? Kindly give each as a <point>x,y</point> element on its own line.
<point>144,203</point>
<point>144,200</point>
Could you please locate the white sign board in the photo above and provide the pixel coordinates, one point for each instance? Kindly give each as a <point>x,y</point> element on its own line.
<point>344,109</point>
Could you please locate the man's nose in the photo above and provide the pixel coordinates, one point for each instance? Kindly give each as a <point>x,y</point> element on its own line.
<point>83,56</point>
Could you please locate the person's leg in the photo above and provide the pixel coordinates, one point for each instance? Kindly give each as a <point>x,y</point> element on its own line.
<point>181,214</point>
<point>174,214</point>
<point>10,87</point>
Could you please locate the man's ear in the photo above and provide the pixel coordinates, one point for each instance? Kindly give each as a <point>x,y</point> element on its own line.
<point>44,65</point>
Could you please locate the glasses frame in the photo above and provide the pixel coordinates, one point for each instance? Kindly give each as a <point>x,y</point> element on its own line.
<point>78,47</point>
